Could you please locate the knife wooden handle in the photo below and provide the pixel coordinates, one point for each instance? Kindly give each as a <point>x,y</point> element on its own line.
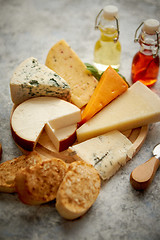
<point>0,151</point>
<point>142,176</point>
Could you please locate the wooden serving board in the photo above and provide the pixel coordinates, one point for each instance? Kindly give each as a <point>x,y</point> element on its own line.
<point>47,150</point>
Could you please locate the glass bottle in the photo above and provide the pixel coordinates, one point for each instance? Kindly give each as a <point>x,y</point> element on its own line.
<point>145,64</point>
<point>107,49</point>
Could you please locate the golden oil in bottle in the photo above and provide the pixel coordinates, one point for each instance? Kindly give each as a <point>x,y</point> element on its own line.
<point>107,49</point>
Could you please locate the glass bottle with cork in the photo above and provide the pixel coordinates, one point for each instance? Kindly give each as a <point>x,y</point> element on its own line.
<point>145,64</point>
<point>107,49</point>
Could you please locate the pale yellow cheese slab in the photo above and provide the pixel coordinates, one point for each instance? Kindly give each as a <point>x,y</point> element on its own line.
<point>137,107</point>
<point>65,62</point>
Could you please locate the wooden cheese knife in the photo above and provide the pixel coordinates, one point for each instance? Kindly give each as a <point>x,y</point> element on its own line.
<point>142,176</point>
<point>0,151</point>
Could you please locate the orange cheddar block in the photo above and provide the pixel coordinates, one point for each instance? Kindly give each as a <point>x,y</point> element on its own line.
<point>110,86</point>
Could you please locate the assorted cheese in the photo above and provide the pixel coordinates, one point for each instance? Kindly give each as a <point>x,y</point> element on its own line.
<point>40,92</point>
<point>136,107</point>
<point>110,86</point>
<point>107,153</point>
<point>65,62</point>
<point>32,79</point>
<point>31,116</point>
<point>45,114</point>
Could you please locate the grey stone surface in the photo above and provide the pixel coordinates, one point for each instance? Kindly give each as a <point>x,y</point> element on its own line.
<point>30,28</point>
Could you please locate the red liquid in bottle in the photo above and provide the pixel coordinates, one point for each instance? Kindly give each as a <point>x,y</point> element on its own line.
<point>145,69</point>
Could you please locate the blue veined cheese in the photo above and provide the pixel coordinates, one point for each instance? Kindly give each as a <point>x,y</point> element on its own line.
<point>107,153</point>
<point>32,79</point>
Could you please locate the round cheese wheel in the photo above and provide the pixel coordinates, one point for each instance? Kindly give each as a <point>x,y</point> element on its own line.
<point>30,117</point>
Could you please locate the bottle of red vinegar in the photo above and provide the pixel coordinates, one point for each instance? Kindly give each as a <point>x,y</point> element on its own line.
<point>145,64</point>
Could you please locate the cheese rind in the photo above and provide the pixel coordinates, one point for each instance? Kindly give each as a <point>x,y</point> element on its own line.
<point>65,62</point>
<point>32,79</point>
<point>138,106</point>
<point>30,117</point>
<point>62,138</point>
<point>107,153</point>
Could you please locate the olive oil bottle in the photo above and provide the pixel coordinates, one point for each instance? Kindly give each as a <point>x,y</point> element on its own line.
<point>107,49</point>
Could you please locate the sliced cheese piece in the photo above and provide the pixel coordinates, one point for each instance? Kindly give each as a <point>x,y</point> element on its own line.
<point>46,148</point>
<point>107,153</point>
<point>62,138</point>
<point>65,62</point>
<point>32,79</point>
<point>137,107</point>
<point>110,86</point>
<point>30,117</point>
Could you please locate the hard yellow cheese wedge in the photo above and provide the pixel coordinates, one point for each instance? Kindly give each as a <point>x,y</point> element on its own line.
<point>137,107</point>
<point>65,62</point>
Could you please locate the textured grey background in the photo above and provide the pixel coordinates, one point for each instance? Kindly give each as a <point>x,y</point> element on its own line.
<point>30,28</point>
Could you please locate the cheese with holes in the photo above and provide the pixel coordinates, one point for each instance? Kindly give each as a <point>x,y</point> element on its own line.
<point>30,117</point>
<point>32,79</point>
<point>138,106</point>
<point>65,62</point>
<point>107,153</point>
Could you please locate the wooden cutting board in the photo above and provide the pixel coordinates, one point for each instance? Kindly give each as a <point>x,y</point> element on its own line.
<point>47,150</point>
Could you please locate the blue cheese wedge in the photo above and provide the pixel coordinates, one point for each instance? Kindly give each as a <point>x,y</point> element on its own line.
<point>32,79</point>
<point>107,153</point>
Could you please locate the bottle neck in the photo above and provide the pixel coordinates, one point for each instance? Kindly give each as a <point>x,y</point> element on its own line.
<point>148,43</point>
<point>108,29</point>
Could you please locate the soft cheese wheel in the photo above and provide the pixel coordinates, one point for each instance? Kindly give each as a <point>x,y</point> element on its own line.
<point>65,62</point>
<point>138,106</point>
<point>78,190</point>
<point>30,117</point>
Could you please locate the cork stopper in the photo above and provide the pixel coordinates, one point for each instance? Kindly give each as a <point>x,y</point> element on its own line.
<point>151,26</point>
<point>110,12</point>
